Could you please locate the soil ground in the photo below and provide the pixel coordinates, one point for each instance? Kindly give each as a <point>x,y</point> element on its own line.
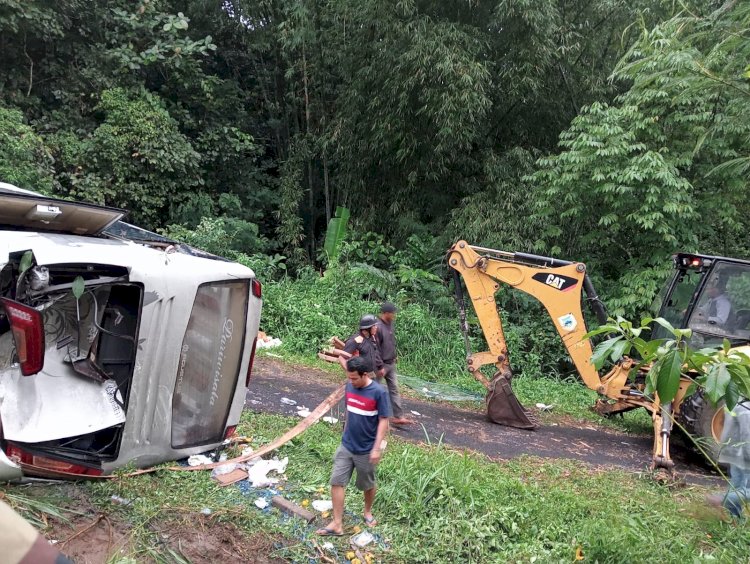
<point>464,428</point>
<point>93,537</point>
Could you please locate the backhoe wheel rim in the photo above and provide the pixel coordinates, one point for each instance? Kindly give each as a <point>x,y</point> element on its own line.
<point>717,424</point>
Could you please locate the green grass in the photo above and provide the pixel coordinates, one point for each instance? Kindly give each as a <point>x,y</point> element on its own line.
<point>434,505</point>
<point>438,505</point>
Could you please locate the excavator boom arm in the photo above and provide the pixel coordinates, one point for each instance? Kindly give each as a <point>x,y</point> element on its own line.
<point>556,284</point>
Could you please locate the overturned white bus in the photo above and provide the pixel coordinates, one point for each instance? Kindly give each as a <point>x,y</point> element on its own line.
<point>117,346</point>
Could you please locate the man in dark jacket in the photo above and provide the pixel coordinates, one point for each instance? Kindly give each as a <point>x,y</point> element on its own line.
<point>385,336</point>
<point>363,345</point>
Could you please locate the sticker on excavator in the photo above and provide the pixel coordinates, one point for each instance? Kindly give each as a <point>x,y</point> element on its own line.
<point>568,322</point>
<point>556,281</point>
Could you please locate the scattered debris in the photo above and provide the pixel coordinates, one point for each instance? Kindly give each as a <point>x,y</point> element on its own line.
<point>261,503</point>
<point>415,413</point>
<point>331,420</point>
<point>362,539</point>
<point>206,511</point>
<point>267,342</point>
<point>120,500</point>
<point>303,411</point>
<point>287,401</point>
<point>322,505</point>
<point>224,469</point>
<point>544,407</point>
<point>292,508</point>
<point>257,475</point>
<point>435,390</point>
<point>198,459</point>
<point>328,546</point>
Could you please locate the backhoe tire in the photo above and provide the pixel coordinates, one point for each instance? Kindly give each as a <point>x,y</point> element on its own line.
<point>703,422</point>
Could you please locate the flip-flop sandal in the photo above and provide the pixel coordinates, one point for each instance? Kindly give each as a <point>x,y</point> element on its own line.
<point>371,521</point>
<point>326,532</point>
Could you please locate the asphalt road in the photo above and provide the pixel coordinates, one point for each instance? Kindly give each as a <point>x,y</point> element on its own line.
<point>464,429</point>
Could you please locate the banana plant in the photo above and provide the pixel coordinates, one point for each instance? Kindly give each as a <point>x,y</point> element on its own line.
<point>335,233</point>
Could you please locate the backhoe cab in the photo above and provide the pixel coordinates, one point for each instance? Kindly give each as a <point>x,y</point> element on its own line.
<point>711,295</point>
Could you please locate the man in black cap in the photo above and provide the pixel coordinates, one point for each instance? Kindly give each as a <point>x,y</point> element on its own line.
<point>364,345</point>
<point>386,339</point>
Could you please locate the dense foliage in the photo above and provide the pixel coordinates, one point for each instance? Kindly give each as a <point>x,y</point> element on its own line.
<point>613,132</point>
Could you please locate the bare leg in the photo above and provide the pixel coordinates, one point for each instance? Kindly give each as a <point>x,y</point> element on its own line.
<point>369,499</point>
<point>337,497</point>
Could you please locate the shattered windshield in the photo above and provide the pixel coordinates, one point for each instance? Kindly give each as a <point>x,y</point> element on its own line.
<point>723,307</point>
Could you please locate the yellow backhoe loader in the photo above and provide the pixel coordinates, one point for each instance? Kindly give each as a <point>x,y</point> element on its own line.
<point>688,300</point>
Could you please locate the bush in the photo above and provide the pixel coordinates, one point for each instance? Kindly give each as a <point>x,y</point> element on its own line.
<point>24,159</point>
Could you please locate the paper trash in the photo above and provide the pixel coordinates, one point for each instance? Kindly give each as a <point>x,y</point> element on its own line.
<point>363,539</point>
<point>198,459</point>
<point>257,475</point>
<point>331,420</point>
<point>322,505</point>
<point>261,503</point>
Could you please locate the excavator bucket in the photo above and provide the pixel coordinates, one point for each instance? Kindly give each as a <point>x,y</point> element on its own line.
<point>503,406</point>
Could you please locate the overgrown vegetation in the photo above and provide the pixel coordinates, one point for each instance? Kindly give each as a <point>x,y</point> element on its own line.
<point>438,505</point>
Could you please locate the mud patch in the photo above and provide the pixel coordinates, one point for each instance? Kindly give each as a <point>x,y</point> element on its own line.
<point>91,539</point>
<point>203,539</point>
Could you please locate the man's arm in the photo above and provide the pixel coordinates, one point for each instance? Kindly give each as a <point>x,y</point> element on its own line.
<point>376,451</point>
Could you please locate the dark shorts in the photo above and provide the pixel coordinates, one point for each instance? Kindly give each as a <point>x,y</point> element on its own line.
<point>344,463</point>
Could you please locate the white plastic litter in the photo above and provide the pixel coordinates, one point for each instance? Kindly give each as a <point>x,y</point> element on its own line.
<point>198,459</point>
<point>303,412</point>
<point>415,412</point>
<point>322,505</point>
<point>543,407</point>
<point>287,401</point>
<point>363,539</point>
<point>270,343</point>
<point>247,450</point>
<point>261,503</point>
<point>328,546</point>
<point>331,420</point>
<point>224,469</point>
<point>257,475</point>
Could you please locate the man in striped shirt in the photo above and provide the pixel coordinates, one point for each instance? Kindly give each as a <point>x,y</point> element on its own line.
<point>367,413</point>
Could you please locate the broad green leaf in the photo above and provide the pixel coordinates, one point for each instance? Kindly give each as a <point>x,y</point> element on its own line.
<point>336,232</point>
<point>618,350</point>
<point>732,395</point>
<point>598,331</point>
<point>26,260</point>
<point>666,324</point>
<point>649,349</point>
<point>78,287</point>
<point>602,350</point>
<point>651,378</point>
<point>668,377</point>
<point>716,382</point>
